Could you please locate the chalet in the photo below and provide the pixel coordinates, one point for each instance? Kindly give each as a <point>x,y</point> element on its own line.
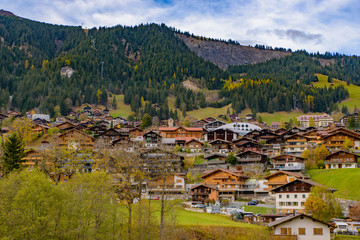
<point>72,114</point>
<point>76,139</point>
<point>203,193</point>
<point>173,186</point>
<point>252,134</point>
<point>151,139</point>
<point>124,143</point>
<point>335,139</point>
<point>313,137</point>
<point>244,146</point>
<point>37,128</point>
<point>14,114</point>
<point>230,184</point>
<point>153,128</point>
<point>194,145</point>
<point>33,158</point>
<point>268,218</point>
<point>210,119</point>
<point>265,136</point>
<point>97,112</point>
<point>295,144</point>
<point>221,134</point>
<point>199,123</point>
<point>341,159</point>
<point>173,132</point>
<point>234,117</point>
<point>45,117</point>
<point>250,157</point>
<point>354,116</point>
<point>110,135</point>
<point>280,131</point>
<point>213,125</point>
<point>106,111</point>
<point>156,158</point>
<point>300,227</point>
<point>292,196</point>
<point>40,121</point>
<point>65,126</point>
<point>87,109</point>
<point>72,120</point>
<point>136,133</point>
<point>288,163</point>
<point>271,150</point>
<point>215,157</point>
<point>221,146</point>
<point>97,129</point>
<point>296,130</point>
<point>280,178</point>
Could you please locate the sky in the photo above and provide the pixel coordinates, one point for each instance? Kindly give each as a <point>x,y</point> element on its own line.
<point>313,25</point>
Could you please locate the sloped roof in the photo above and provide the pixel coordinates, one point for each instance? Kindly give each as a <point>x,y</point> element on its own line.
<point>306,181</point>
<point>207,173</point>
<point>332,154</point>
<point>298,175</point>
<point>291,217</point>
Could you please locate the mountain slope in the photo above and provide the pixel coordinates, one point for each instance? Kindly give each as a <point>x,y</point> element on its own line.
<point>225,54</point>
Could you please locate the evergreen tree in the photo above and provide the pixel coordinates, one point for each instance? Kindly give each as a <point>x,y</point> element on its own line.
<point>12,154</point>
<point>146,121</point>
<point>231,159</point>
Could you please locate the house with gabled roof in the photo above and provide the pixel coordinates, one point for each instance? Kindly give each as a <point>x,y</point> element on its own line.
<point>335,139</point>
<point>230,184</point>
<point>74,138</point>
<point>341,159</point>
<point>288,162</point>
<point>250,157</point>
<point>295,144</point>
<point>291,197</point>
<point>221,146</point>
<point>173,132</point>
<point>300,227</point>
<point>280,178</point>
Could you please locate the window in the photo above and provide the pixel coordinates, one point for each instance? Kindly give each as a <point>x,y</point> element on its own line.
<point>303,196</point>
<point>295,196</point>
<point>303,189</point>
<point>280,196</point>
<point>285,231</point>
<point>287,196</point>
<point>287,189</point>
<point>301,231</point>
<point>295,189</point>
<point>318,231</point>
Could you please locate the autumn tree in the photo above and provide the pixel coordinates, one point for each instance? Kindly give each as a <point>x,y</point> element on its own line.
<point>322,204</point>
<point>22,127</point>
<point>12,154</point>
<point>312,122</point>
<point>348,144</point>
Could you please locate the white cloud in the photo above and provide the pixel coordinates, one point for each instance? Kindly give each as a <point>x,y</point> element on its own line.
<point>322,25</point>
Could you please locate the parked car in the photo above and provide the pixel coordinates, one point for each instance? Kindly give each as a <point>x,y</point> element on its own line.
<point>155,197</point>
<point>200,206</point>
<point>253,202</point>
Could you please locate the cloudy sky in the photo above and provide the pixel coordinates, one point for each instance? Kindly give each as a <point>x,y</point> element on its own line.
<point>314,25</point>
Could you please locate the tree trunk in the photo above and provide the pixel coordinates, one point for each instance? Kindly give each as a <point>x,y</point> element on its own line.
<point>130,220</point>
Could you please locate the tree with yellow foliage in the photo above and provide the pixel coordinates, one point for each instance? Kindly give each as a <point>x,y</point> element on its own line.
<point>312,122</point>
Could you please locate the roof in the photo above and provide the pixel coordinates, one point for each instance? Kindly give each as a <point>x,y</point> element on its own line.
<point>298,175</point>
<point>305,181</point>
<point>290,218</point>
<point>283,155</point>
<point>249,151</point>
<point>192,129</point>
<point>328,156</point>
<point>74,129</point>
<point>214,155</point>
<point>219,169</point>
<point>204,185</point>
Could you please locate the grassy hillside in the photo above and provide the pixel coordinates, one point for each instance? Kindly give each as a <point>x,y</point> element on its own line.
<point>122,110</point>
<point>346,181</point>
<point>354,91</point>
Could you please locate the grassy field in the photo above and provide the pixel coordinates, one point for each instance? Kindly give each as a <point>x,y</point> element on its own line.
<point>346,181</point>
<point>344,237</point>
<point>354,91</point>
<point>122,110</point>
<point>261,210</point>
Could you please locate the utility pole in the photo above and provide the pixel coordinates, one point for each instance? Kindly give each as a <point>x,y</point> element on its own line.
<point>102,70</point>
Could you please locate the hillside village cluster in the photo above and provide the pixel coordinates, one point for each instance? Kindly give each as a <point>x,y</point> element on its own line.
<point>267,161</point>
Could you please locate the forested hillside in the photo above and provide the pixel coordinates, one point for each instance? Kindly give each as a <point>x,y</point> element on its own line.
<point>147,63</point>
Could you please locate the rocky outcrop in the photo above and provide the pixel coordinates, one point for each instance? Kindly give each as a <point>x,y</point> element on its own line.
<point>225,54</point>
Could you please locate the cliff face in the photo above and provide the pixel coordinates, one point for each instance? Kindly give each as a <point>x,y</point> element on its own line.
<point>225,54</point>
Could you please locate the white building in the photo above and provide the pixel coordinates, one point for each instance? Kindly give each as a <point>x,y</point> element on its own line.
<point>241,128</point>
<point>302,226</point>
<point>322,120</point>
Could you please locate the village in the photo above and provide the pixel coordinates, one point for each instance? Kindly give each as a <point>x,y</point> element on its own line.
<point>218,166</point>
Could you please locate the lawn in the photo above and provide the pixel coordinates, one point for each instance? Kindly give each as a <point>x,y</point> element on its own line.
<point>122,110</point>
<point>345,237</point>
<point>354,91</point>
<point>346,181</point>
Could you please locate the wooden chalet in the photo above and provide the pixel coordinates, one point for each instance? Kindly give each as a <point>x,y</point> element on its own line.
<point>250,157</point>
<point>335,139</point>
<point>295,144</point>
<point>221,146</point>
<point>230,184</point>
<point>136,132</point>
<point>220,134</point>
<point>203,193</point>
<point>98,129</point>
<point>3,116</point>
<point>213,125</point>
<point>210,119</point>
<point>173,132</point>
<point>194,145</point>
<point>33,158</point>
<point>199,123</point>
<point>280,178</point>
<point>173,186</point>
<point>124,143</point>
<point>341,159</point>
<point>110,135</point>
<point>65,126</point>
<point>265,136</point>
<point>244,146</point>
<point>74,138</point>
<point>152,139</point>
